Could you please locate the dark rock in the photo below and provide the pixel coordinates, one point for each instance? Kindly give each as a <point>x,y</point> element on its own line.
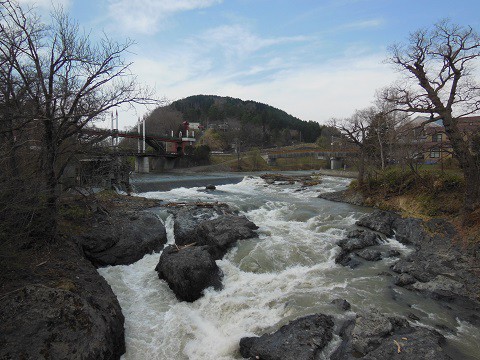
<point>222,233</point>
<point>343,350</point>
<point>345,259</point>
<point>188,218</point>
<point>342,304</point>
<point>404,279</point>
<point>188,271</point>
<point>420,344</point>
<point>375,336</point>
<point>210,187</point>
<point>392,253</point>
<point>369,329</point>
<point>359,239</point>
<point>426,265</point>
<point>58,308</point>
<point>381,221</point>
<point>410,231</point>
<point>122,239</point>
<point>282,179</point>
<point>346,196</point>
<point>302,338</point>
<point>442,287</point>
<point>369,254</point>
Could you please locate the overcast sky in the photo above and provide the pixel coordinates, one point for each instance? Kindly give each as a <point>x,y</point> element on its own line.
<point>315,59</point>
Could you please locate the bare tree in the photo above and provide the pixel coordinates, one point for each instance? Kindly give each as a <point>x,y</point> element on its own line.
<point>356,129</point>
<point>438,64</point>
<point>68,81</point>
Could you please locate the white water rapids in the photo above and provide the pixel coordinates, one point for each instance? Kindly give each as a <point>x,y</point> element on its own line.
<point>288,272</point>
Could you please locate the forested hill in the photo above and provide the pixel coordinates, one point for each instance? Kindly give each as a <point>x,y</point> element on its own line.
<point>256,119</point>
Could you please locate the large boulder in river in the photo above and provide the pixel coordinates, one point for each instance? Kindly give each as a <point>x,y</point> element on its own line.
<point>55,305</point>
<point>217,227</point>
<point>222,233</point>
<point>188,271</point>
<point>301,339</point>
<point>187,219</point>
<point>123,238</point>
<point>359,239</point>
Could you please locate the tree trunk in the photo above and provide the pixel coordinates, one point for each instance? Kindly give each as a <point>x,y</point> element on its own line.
<point>361,170</point>
<point>51,183</point>
<point>472,184</point>
<point>380,145</point>
<point>469,162</point>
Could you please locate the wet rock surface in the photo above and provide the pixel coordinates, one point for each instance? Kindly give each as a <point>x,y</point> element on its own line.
<point>55,305</point>
<point>217,227</point>
<point>302,338</point>
<point>342,304</point>
<point>122,238</point>
<point>369,254</point>
<point>222,233</point>
<point>381,221</point>
<point>358,240</point>
<point>372,335</point>
<point>188,218</point>
<point>188,271</point>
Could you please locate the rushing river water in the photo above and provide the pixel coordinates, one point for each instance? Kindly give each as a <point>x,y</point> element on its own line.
<point>288,272</point>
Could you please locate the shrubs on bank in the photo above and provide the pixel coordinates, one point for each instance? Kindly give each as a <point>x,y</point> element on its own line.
<point>431,191</point>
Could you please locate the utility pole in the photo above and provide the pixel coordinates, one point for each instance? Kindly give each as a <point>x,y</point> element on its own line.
<point>116,136</point>
<point>113,138</point>
<point>138,140</point>
<point>144,135</point>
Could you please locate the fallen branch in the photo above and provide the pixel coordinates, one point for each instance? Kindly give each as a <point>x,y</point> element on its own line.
<point>399,349</point>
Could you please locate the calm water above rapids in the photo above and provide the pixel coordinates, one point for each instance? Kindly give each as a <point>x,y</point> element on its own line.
<point>288,272</point>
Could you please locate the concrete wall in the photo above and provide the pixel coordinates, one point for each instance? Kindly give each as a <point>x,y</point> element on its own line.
<point>142,164</point>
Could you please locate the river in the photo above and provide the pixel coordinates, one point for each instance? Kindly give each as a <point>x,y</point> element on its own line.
<point>288,272</point>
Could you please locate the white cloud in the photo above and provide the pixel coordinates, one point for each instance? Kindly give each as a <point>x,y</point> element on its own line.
<point>238,40</point>
<point>145,16</point>
<point>363,24</point>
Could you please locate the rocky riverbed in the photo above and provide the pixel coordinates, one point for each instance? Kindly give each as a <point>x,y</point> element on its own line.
<point>54,304</point>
